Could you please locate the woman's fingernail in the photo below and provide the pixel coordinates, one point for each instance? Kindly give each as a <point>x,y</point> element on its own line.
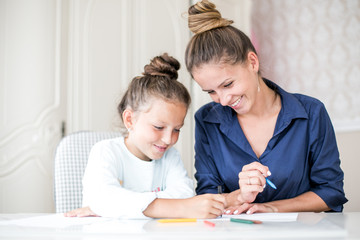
<point>236,212</point>
<point>248,212</point>
<point>268,173</point>
<point>227,212</point>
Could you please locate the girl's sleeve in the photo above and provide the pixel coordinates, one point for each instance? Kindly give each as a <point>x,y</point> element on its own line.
<point>178,184</point>
<point>102,191</point>
<point>326,175</point>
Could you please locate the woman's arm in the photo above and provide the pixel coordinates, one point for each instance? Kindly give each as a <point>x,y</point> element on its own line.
<point>251,182</point>
<point>306,202</point>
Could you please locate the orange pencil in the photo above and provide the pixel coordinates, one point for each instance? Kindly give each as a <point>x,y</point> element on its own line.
<point>211,224</point>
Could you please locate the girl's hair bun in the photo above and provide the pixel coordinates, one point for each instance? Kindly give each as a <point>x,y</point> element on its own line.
<point>163,65</point>
<point>203,17</point>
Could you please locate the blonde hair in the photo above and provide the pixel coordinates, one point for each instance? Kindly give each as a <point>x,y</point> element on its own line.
<point>215,40</point>
<point>159,80</point>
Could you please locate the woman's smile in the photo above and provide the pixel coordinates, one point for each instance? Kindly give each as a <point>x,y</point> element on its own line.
<point>236,103</point>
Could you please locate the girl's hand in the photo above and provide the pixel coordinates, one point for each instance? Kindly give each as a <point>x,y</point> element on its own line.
<point>252,181</point>
<point>232,199</point>
<point>205,206</point>
<point>81,212</point>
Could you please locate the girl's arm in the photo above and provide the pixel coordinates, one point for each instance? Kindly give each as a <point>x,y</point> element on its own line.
<point>81,212</point>
<point>102,190</point>
<point>201,206</point>
<point>172,177</point>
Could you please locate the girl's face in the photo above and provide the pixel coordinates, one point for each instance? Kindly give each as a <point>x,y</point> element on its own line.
<point>235,85</point>
<point>154,131</point>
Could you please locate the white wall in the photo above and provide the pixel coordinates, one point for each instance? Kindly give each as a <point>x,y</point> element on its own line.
<point>348,143</point>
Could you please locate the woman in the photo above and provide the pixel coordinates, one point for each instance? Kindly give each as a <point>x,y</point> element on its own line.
<point>255,129</point>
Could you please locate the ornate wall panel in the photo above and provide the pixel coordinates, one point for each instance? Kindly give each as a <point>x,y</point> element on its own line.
<point>30,106</point>
<point>313,47</point>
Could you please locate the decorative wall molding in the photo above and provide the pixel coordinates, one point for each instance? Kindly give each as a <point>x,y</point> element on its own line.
<point>313,47</point>
<point>77,84</point>
<point>31,37</point>
<point>48,110</point>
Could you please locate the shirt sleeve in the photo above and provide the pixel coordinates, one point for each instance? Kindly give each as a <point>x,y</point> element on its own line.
<point>178,184</point>
<point>207,175</point>
<point>326,175</point>
<point>102,191</point>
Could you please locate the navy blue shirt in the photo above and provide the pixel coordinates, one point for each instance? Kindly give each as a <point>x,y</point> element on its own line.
<point>302,154</point>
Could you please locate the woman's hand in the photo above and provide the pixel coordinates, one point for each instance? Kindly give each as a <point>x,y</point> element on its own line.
<point>81,212</point>
<point>252,181</point>
<point>306,202</point>
<point>250,208</point>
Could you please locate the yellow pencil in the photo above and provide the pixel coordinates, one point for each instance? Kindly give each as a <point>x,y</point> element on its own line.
<point>176,220</point>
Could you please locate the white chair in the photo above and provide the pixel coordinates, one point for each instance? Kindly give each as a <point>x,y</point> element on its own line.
<point>70,161</point>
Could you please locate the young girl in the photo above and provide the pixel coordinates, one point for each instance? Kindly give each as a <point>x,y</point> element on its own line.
<point>141,175</point>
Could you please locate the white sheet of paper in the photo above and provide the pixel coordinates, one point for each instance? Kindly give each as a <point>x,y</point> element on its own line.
<point>53,221</point>
<point>265,217</point>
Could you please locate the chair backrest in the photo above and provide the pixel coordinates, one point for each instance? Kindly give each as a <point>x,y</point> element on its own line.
<point>70,161</point>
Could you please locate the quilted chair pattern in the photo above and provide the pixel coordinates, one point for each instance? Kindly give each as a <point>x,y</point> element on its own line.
<point>70,161</point>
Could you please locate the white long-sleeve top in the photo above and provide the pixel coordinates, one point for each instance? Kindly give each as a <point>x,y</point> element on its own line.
<point>118,184</point>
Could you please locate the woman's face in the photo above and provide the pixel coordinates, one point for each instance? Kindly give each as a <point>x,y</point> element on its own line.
<point>235,85</point>
<point>155,130</point>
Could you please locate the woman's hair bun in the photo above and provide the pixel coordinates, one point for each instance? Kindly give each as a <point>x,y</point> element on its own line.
<point>163,65</point>
<point>203,16</point>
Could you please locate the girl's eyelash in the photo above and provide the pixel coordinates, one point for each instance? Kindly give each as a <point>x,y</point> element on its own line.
<point>160,128</point>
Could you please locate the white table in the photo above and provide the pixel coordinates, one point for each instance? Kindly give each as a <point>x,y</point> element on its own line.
<point>307,226</point>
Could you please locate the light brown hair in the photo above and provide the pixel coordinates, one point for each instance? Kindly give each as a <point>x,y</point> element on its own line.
<point>215,40</point>
<point>159,80</point>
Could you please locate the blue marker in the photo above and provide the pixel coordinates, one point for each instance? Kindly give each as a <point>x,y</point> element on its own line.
<point>270,183</point>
